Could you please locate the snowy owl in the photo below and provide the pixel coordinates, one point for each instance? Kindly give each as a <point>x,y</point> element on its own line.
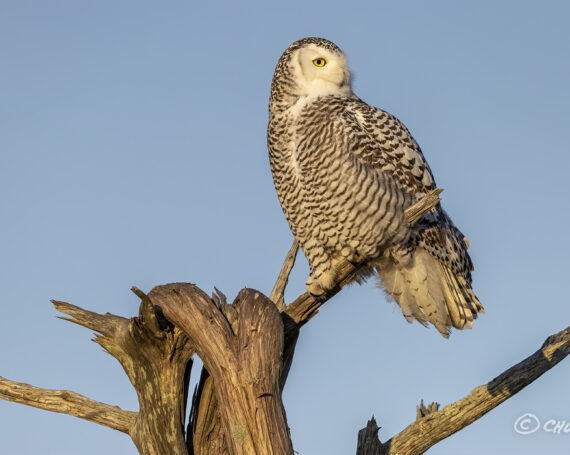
<point>344,173</point>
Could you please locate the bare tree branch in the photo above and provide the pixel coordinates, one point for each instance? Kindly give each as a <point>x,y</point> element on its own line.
<point>66,402</point>
<point>435,426</point>
<point>307,305</point>
<point>278,293</point>
<point>156,356</point>
<point>105,324</point>
<point>424,205</point>
<point>205,430</point>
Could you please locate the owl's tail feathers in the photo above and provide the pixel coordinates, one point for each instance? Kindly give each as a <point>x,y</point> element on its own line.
<point>428,291</point>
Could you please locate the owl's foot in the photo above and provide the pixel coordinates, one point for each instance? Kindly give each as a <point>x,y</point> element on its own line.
<point>314,288</point>
<point>319,286</point>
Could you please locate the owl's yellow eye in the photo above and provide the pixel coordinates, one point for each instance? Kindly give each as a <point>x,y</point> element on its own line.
<point>319,62</point>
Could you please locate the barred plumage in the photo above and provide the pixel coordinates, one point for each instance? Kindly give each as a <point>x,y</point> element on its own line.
<point>344,173</point>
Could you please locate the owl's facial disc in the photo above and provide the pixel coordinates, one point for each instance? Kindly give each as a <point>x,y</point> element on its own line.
<point>320,71</point>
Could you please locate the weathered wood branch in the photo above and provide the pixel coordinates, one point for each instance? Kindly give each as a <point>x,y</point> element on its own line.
<point>435,426</point>
<point>304,307</point>
<point>156,357</point>
<point>368,443</point>
<point>247,346</point>
<point>307,305</point>
<point>278,293</point>
<point>422,410</point>
<point>66,402</point>
<point>241,346</point>
<point>424,205</point>
<point>205,430</point>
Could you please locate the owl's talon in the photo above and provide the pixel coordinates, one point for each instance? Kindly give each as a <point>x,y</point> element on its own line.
<point>319,286</point>
<point>314,288</point>
<point>327,280</point>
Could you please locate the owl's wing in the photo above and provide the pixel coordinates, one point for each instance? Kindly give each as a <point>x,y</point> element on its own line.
<point>384,143</point>
<point>389,146</point>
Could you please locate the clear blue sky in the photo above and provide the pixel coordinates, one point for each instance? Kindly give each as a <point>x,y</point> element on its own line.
<point>132,152</point>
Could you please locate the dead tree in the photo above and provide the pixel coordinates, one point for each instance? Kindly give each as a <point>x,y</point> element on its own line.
<point>247,348</point>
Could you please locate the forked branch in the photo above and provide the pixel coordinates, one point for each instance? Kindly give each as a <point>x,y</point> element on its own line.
<point>156,357</point>
<point>241,346</point>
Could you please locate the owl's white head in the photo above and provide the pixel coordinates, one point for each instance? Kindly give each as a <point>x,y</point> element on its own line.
<point>311,67</point>
<point>320,71</point>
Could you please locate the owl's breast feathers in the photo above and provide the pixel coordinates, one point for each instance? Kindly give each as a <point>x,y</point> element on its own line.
<point>347,171</point>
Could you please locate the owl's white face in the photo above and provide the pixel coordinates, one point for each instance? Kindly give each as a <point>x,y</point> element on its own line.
<point>319,71</point>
